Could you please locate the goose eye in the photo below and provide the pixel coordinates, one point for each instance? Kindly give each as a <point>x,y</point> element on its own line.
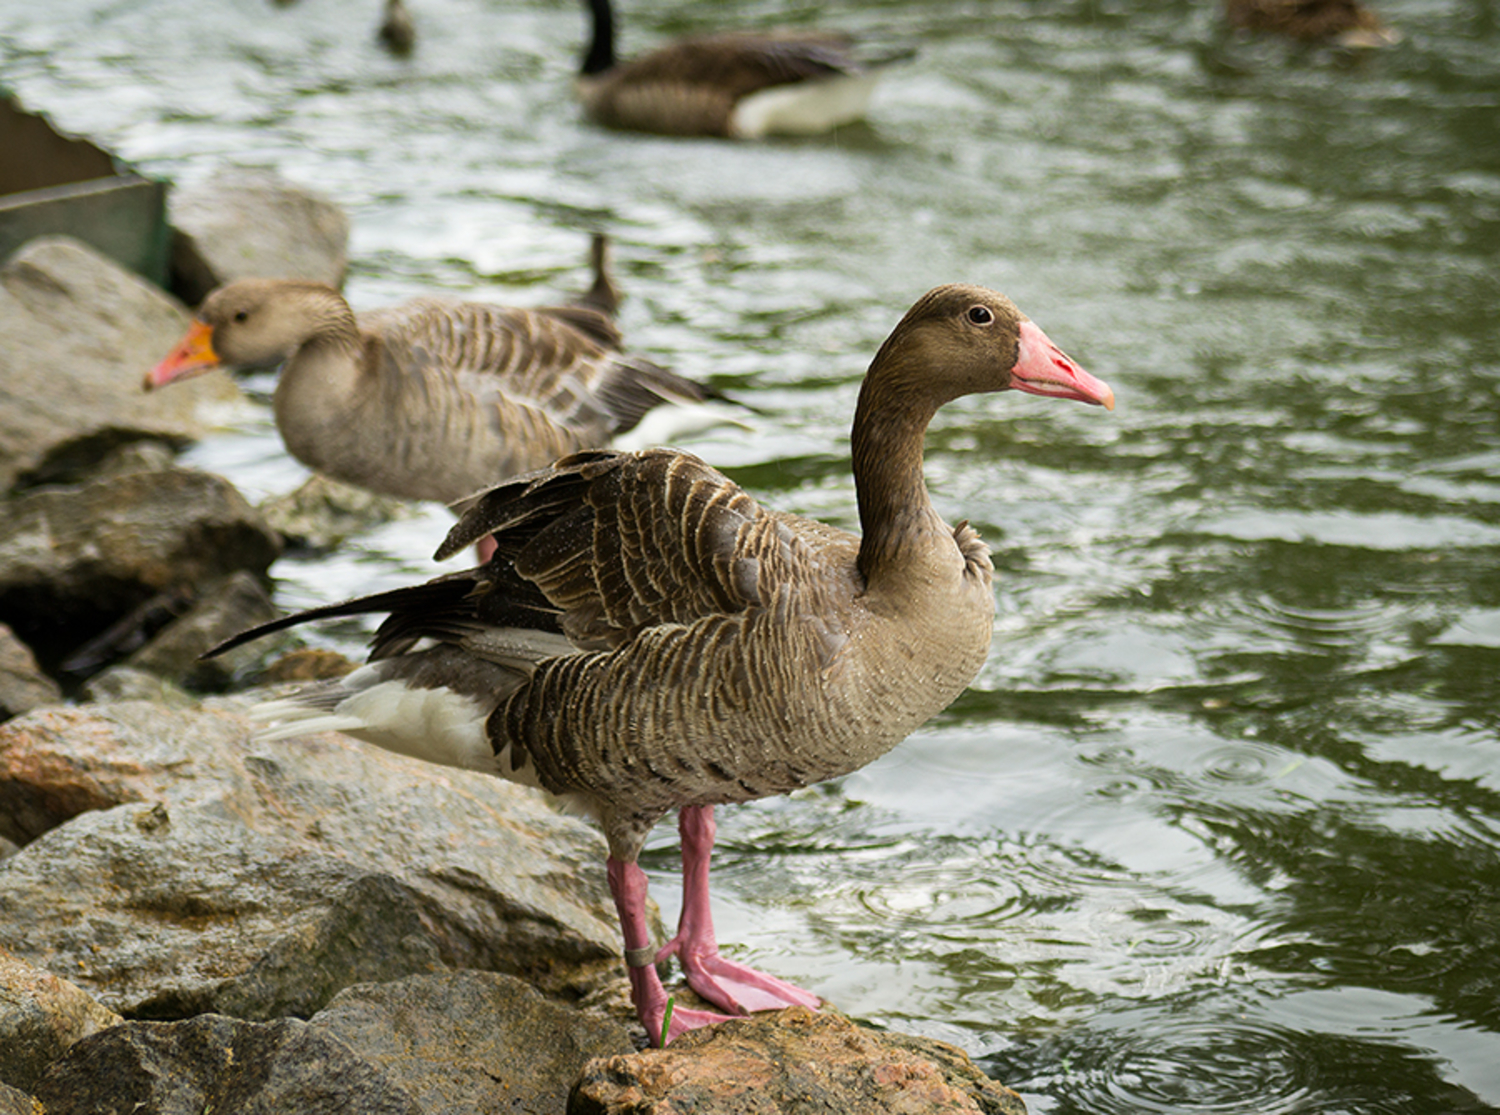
<point>980,315</point>
<point>242,315</point>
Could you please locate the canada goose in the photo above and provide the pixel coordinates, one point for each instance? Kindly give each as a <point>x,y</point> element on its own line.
<point>1346,23</point>
<point>740,84</point>
<point>647,637</point>
<point>429,399</point>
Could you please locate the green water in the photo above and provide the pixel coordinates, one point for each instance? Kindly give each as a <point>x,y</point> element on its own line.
<point>1218,828</point>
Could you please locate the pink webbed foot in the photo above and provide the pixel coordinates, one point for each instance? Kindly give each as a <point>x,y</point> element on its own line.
<point>735,987</point>
<point>651,1008</point>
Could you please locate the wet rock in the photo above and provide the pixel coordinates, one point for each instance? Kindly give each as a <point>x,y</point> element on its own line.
<point>501,881</point>
<point>471,1043</point>
<point>791,1062</point>
<point>239,601</point>
<point>215,1064</point>
<point>323,512</point>
<point>23,686</point>
<point>74,561</point>
<point>77,334</point>
<point>40,1017</point>
<point>244,223</point>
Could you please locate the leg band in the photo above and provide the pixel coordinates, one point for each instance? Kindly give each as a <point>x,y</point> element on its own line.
<point>640,958</point>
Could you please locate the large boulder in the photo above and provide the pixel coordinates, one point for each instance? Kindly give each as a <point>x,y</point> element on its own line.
<point>167,913</point>
<point>247,223</point>
<point>498,879</point>
<point>77,334</point>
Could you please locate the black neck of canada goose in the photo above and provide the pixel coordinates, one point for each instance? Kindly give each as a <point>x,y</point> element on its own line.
<point>600,55</point>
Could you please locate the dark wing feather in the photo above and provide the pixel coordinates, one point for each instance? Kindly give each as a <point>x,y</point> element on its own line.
<point>621,541</point>
<point>447,609</point>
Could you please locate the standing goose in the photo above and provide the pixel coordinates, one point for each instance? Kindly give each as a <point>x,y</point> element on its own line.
<point>648,637</point>
<point>738,84</point>
<point>430,399</point>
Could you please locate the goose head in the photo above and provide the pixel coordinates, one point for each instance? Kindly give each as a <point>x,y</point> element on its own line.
<point>963,340</point>
<point>253,323</point>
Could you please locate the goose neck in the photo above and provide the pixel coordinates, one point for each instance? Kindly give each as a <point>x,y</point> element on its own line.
<point>895,511</point>
<point>328,360</point>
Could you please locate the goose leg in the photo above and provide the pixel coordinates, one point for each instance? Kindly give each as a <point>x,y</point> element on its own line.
<point>732,986</point>
<point>627,882</point>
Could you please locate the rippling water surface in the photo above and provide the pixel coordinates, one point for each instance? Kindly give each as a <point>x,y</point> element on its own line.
<point>1218,828</point>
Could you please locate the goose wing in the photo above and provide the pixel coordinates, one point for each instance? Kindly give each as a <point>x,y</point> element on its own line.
<point>618,542</point>
<point>598,548</point>
<point>564,362</point>
<point>740,62</point>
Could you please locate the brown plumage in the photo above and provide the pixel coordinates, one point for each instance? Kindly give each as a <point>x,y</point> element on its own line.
<point>708,85</point>
<point>1345,23</point>
<point>648,637</point>
<point>429,399</point>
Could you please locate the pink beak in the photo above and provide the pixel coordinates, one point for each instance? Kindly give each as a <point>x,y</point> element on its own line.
<point>1044,369</point>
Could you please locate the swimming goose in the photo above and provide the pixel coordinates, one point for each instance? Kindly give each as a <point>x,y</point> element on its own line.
<point>398,31</point>
<point>1346,23</point>
<point>739,84</point>
<point>429,399</point>
<point>647,637</point>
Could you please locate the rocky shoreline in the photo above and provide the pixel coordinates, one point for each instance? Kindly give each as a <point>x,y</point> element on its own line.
<point>191,920</point>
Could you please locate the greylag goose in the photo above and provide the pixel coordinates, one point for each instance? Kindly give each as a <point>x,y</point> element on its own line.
<point>429,399</point>
<point>1346,23</point>
<point>647,637</point>
<point>739,84</point>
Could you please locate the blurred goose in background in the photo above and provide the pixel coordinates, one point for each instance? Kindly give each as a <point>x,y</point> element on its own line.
<point>648,637</point>
<point>739,84</point>
<point>1345,23</point>
<point>430,399</point>
<point>397,29</point>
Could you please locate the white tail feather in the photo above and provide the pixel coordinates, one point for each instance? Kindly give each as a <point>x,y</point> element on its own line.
<point>804,107</point>
<point>438,725</point>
